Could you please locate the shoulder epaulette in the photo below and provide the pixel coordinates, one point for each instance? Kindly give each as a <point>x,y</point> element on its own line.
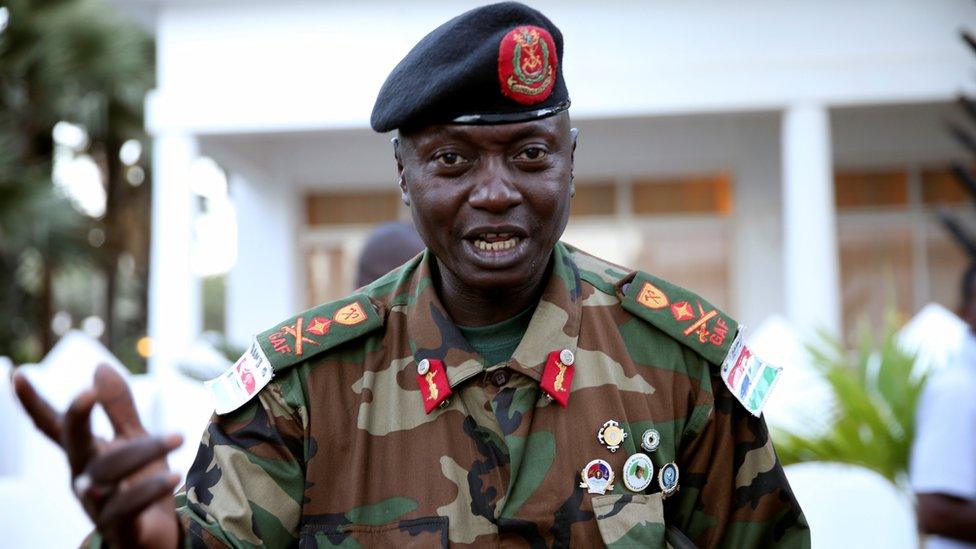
<point>681,314</point>
<point>318,329</point>
<point>712,334</point>
<point>288,343</point>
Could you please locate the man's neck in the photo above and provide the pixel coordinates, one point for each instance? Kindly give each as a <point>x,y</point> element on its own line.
<point>478,307</point>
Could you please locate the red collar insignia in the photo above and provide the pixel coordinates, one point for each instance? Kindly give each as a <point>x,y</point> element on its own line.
<point>433,383</point>
<point>557,378</point>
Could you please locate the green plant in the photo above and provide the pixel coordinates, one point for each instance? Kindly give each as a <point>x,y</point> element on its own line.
<point>876,391</point>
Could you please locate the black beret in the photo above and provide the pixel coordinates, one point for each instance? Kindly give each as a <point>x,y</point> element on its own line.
<point>495,64</point>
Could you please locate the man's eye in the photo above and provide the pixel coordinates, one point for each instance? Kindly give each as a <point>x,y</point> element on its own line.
<point>532,153</point>
<point>449,159</point>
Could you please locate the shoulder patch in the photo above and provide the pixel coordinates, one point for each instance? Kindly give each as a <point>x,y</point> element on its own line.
<point>712,334</point>
<point>299,338</point>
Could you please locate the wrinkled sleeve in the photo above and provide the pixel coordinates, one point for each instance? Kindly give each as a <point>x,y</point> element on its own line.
<point>246,485</point>
<point>733,491</point>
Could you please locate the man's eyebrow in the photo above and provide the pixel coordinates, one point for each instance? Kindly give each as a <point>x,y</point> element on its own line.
<point>462,133</point>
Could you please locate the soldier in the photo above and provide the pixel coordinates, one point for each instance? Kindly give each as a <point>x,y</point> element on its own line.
<point>501,388</point>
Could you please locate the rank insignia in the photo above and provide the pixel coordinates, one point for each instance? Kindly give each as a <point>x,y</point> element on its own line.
<point>682,311</point>
<point>651,297</point>
<point>597,477</point>
<point>318,326</point>
<point>611,435</point>
<point>350,315</point>
<point>667,479</point>
<point>680,314</point>
<point>557,376</point>
<point>432,380</point>
<point>296,332</point>
<point>638,472</point>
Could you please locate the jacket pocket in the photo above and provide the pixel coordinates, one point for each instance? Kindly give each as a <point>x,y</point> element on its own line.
<point>403,534</point>
<point>630,520</point>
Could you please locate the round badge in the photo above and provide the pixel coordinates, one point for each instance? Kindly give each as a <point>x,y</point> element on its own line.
<point>611,435</point>
<point>650,440</point>
<point>597,477</point>
<point>667,478</point>
<point>423,367</point>
<point>566,357</point>
<point>527,64</point>
<point>638,472</point>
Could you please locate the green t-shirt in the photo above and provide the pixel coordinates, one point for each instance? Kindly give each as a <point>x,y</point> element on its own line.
<point>497,342</point>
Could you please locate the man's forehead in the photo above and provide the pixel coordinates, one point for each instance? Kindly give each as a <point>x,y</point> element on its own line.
<point>552,127</point>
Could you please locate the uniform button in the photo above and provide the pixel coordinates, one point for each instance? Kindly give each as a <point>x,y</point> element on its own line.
<point>566,357</point>
<point>499,377</point>
<point>423,367</point>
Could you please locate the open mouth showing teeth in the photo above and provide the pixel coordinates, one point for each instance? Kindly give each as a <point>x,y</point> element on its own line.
<point>496,242</point>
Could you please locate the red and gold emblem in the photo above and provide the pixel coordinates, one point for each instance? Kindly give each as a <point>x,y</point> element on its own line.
<point>433,384</point>
<point>350,315</point>
<point>281,344</point>
<point>527,64</point>
<point>318,326</point>
<point>652,297</point>
<point>557,378</point>
<point>682,311</point>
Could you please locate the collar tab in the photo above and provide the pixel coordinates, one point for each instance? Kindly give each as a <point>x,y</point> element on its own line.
<point>557,375</point>
<point>432,380</point>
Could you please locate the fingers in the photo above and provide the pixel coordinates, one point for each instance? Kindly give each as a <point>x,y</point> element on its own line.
<point>76,435</point>
<point>123,506</point>
<point>45,418</point>
<point>121,461</point>
<point>114,396</point>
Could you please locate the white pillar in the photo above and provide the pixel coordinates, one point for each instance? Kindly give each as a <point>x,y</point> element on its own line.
<point>175,301</point>
<point>265,286</point>
<point>812,282</point>
<point>757,261</point>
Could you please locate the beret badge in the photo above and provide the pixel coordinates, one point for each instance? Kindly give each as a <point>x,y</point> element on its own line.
<point>527,64</point>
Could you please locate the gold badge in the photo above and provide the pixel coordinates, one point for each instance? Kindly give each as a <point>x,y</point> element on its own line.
<point>651,297</point>
<point>611,435</point>
<point>350,315</point>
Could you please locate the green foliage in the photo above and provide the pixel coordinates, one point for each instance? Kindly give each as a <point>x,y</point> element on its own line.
<point>78,61</point>
<point>876,392</point>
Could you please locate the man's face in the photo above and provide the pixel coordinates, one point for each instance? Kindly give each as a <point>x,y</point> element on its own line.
<point>490,201</point>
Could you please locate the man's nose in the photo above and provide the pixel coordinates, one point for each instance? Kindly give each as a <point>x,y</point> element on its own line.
<point>496,190</point>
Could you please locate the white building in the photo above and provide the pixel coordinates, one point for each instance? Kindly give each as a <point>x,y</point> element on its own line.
<point>777,157</point>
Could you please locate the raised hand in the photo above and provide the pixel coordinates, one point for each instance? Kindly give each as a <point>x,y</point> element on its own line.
<point>124,484</point>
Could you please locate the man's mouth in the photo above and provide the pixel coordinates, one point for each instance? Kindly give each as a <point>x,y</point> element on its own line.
<point>496,242</point>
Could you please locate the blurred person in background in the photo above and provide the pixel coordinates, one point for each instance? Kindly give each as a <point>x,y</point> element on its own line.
<point>943,466</point>
<point>502,388</point>
<point>387,246</point>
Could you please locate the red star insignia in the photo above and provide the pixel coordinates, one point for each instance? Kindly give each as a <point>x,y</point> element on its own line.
<point>318,326</point>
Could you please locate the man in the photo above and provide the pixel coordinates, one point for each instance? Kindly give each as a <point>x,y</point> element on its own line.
<point>387,247</point>
<point>489,391</point>
<point>943,469</point>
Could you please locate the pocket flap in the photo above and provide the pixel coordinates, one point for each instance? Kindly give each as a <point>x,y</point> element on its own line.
<point>630,520</point>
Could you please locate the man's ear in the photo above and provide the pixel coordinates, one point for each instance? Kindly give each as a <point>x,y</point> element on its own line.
<point>397,152</point>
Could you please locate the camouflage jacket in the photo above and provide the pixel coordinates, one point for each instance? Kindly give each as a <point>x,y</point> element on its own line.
<point>339,447</point>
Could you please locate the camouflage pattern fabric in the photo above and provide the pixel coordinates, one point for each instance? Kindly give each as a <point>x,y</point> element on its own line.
<point>338,451</point>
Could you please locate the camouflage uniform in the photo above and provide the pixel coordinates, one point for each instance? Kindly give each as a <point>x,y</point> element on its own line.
<point>338,449</point>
